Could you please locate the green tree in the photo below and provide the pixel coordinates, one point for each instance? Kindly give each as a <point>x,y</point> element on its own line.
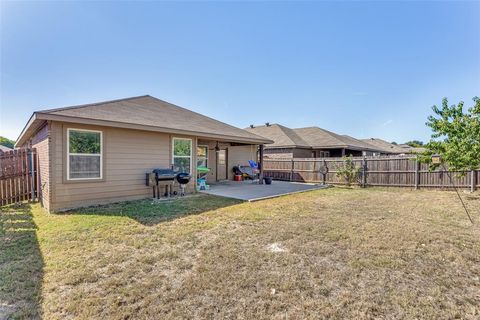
<point>456,135</point>
<point>348,171</point>
<point>7,142</point>
<point>415,143</point>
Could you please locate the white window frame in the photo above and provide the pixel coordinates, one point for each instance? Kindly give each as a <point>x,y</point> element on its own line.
<point>191,152</point>
<point>206,153</point>
<point>84,154</point>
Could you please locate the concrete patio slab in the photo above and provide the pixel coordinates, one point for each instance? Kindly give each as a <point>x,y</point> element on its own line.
<point>248,191</point>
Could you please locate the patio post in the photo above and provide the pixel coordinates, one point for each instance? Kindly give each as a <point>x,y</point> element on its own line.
<point>260,162</point>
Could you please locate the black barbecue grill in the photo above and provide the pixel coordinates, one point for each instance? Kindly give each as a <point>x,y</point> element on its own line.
<point>164,174</point>
<point>183,178</point>
<point>166,177</point>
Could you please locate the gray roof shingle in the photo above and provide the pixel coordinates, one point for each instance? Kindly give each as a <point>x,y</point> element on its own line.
<point>310,137</point>
<point>282,136</point>
<point>150,112</point>
<point>388,147</point>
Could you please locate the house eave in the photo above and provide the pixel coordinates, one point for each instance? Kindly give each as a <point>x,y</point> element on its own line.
<point>39,116</point>
<point>28,130</point>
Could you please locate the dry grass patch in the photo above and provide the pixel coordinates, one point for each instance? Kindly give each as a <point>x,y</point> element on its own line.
<point>344,254</point>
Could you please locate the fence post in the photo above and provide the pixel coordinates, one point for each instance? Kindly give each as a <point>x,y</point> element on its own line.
<point>417,173</point>
<point>325,171</point>
<point>473,183</point>
<point>364,172</point>
<point>291,170</point>
<point>261,156</point>
<point>31,168</point>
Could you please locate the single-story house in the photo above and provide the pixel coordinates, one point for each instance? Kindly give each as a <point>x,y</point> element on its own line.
<point>4,149</point>
<point>99,153</point>
<point>388,148</point>
<point>310,142</point>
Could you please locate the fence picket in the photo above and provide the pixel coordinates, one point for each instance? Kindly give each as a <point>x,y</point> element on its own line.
<point>398,171</point>
<point>18,176</point>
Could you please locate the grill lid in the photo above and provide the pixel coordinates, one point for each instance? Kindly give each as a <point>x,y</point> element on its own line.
<point>164,173</point>
<point>183,177</point>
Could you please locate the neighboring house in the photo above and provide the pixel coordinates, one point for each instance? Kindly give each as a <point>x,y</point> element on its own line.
<point>99,153</point>
<point>309,142</point>
<point>387,148</point>
<point>286,142</point>
<point>412,150</point>
<point>4,149</point>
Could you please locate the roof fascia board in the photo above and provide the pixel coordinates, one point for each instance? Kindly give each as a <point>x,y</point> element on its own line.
<point>20,138</point>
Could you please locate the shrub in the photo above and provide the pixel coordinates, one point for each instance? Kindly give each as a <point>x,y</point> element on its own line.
<point>348,171</point>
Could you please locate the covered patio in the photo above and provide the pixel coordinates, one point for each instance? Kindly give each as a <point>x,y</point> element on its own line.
<point>249,191</point>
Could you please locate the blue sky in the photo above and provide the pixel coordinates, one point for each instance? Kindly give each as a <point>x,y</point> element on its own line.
<point>367,69</point>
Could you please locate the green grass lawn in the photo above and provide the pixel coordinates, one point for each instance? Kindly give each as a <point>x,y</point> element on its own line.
<point>341,253</point>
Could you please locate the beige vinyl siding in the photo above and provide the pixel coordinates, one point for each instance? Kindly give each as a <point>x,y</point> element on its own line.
<point>41,141</point>
<point>127,155</point>
<point>239,155</point>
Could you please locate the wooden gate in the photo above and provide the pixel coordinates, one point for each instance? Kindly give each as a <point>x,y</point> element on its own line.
<point>19,180</point>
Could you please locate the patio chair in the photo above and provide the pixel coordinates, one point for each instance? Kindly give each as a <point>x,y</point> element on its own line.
<point>255,169</point>
<point>245,171</point>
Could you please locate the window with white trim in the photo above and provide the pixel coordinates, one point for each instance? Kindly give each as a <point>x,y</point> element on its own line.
<point>84,154</point>
<point>182,154</point>
<point>202,156</point>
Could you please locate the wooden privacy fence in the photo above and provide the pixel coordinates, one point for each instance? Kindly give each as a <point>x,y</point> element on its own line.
<point>19,180</point>
<point>374,171</point>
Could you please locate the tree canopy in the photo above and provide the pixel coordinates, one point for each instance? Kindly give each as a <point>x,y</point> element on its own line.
<point>415,143</point>
<point>456,135</point>
<point>7,142</point>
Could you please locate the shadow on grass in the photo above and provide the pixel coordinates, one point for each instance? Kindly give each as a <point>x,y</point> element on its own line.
<point>151,212</point>
<point>21,264</point>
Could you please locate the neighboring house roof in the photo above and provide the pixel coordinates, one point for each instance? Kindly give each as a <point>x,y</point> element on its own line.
<point>142,113</point>
<point>417,149</point>
<point>311,137</point>
<point>4,149</point>
<point>386,146</point>
<point>320,138</point>
<point>282,136</point>
<point>411,149</point>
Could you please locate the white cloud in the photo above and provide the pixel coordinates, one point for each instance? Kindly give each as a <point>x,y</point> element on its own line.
<point>386,123</point>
